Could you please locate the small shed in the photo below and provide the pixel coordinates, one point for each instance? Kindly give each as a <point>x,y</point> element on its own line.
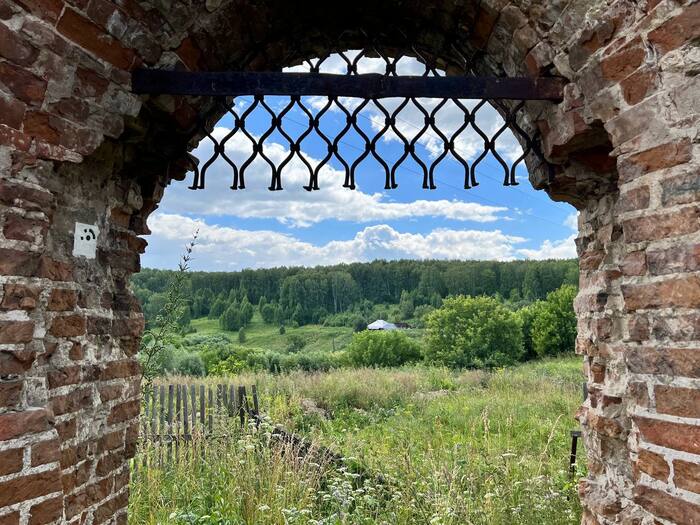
<point>381,324</point>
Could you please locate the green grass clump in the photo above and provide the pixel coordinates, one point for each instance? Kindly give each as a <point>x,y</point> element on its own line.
<point>447,447</point>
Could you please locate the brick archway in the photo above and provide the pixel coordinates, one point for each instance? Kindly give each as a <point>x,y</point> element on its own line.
<point>77,146</point>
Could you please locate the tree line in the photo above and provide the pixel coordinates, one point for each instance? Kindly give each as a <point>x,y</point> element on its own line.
<point>350,293</point>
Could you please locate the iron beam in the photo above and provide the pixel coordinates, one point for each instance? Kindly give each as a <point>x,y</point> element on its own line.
<point>230,83</point>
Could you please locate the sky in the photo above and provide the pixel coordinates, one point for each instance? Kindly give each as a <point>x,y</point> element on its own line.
<point>258,228</point>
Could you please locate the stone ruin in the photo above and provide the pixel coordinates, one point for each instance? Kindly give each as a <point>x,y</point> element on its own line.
<point>76,146</point>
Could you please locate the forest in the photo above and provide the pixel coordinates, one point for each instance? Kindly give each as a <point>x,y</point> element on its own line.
<point>348,294</point>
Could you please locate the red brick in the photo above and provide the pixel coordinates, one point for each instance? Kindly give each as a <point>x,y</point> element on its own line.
<point>666,506</point>
<point>653,464</point>
<point>678,436</point>
<point>110,441</point>
<point>189,54</point>
<point>55,270</point>
<point>66,429</point>
<point>62,299</point>
<point>680,362</point>
<point>677,31</point>
<point>29,487</point>
<point>11,111</point>
<point>14,194</point>
<point>22,229</point>
<point>11,461</point>
<point>624,62</point>
<point>45,9</point>
<point>678,292</point>
<point>634,263</point>
<point>638,86</point>
<point>72,402</point>
<point>42,125</point>
<point>45,452</point>
<point>16,331</point>
<point>686,475</point>
<point>68,326</point>
<point>682,189</point>
<point>124,412</point>
<point>677,327</point>
<point>89,84</point>
<point>639,393</point>
<point>89,36</point>
<point>598,373</point>
<point>633,200</point>
<point>120,369</point>
<point>68,375</point>
<point>683,258</point>
<point>659,157</point>
<point>10,519</point>
<point>15,49</point>
<point>110,392</point>
<point>19,297</point>
<point>89,495</point>
<point>10,391</point>
<point>107,510</point>
<point>683,402</point>
<point>48,511</point>
<point>16,361</point>
<point>662,226</point>
<point>26,86</point>
<point>109,462</point>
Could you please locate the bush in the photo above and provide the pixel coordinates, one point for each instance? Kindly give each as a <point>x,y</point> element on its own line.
<point>382,348</point>
<point>527,315</point>
<point>473,332</point>
<point>231,319</point>
<point>554,326</point>
<point>295,342</point>
<point>189,364</point>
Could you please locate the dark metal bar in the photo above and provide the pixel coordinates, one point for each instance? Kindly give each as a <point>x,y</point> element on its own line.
<point>235,83</point>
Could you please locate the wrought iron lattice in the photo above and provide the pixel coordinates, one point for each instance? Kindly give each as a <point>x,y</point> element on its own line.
<point>359,85</point>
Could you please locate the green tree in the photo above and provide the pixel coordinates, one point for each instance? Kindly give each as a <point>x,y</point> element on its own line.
<point>231,319</point>
<point>241,335</point>
<point>473,332</point>
<point>527,315</point>
<point>382,348</point>
<point>217,308</point>
<point>270,313</point>
<point>554,326</point>
<point>406,305</point>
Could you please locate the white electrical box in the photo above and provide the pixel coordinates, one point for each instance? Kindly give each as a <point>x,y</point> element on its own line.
<point>85,240</point>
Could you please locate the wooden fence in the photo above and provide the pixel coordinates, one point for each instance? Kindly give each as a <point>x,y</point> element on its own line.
<point>175,414</point>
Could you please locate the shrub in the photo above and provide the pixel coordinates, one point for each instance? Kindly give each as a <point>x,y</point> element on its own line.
<point>554,326</point>
<point>241,336</point>
<point>382,348</point>
<point>189,364</point>
<point>473,332</point>
<point>231,319</point>
<point>295,342</point>
<point>527,315</point>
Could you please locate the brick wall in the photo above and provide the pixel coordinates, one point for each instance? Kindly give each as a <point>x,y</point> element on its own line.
<point>76,145</point>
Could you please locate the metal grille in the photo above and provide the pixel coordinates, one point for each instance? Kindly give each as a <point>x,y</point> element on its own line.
<point>328,102</point>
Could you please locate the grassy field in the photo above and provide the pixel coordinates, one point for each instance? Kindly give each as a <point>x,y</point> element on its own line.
<point>261,335</point>
<point>442,447</point>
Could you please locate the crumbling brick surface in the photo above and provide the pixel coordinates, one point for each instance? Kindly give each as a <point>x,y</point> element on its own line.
<point>77,145</point>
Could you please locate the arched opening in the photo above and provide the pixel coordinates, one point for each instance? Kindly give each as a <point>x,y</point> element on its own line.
<point>256,136</point>
<point>79,147</point>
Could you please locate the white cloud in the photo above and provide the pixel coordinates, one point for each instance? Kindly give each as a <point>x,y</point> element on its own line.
<point>226,248</point>
<point>562,249</point>
<point>295,206</point>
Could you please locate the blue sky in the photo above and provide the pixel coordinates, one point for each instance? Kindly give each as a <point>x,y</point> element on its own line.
<point>255,228</point>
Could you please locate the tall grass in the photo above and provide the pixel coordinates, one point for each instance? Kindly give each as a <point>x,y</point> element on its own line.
<point>446,447</point>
